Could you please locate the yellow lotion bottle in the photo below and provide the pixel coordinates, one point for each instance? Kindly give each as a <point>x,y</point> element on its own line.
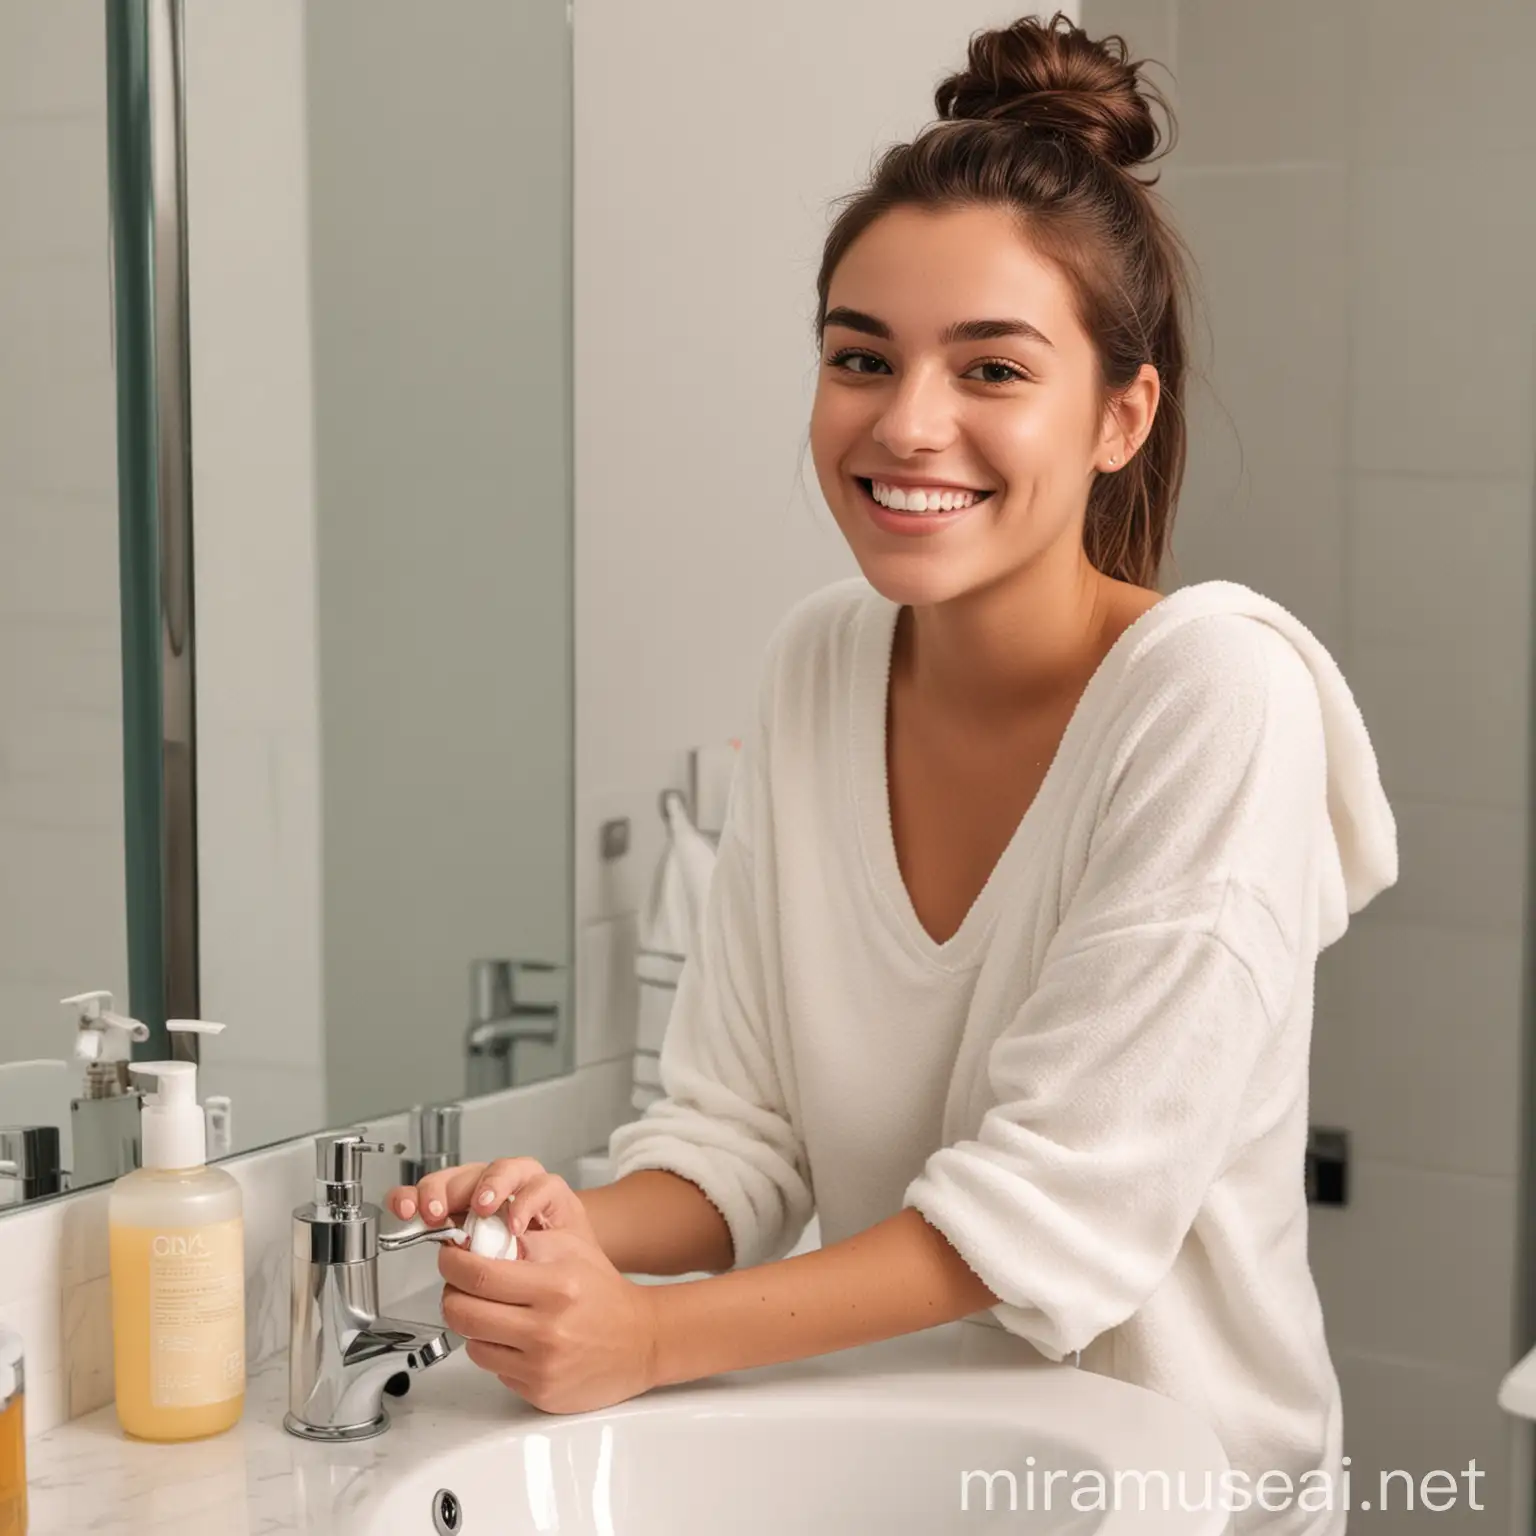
<point>13,1436</point>
<point>178,1273</point>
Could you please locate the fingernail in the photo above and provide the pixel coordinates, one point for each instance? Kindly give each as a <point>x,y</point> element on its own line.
<point>407,1209</point>
<point>435,1208</point>
<point>487,1197</point>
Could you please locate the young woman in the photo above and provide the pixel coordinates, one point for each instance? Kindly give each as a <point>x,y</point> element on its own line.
<point>1008,961</point>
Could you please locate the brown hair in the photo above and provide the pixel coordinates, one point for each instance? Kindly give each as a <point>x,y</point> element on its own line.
<point>1050,124</point>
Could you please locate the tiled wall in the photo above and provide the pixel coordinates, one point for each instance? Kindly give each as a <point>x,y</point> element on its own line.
<point>62,925</point>
<point>1355,179</point>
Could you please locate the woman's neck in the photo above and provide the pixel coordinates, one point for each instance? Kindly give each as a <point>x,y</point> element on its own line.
<point>1019,644</point>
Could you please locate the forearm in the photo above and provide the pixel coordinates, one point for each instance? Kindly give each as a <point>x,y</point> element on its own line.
<point>655,1223</point>
<point>897,1277</point>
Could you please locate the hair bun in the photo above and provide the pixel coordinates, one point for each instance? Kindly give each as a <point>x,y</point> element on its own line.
<point>1051,76</point>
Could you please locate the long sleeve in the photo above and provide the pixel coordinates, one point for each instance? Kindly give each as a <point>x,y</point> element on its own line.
<point>1115,1090</point>
<point>724,1123</point>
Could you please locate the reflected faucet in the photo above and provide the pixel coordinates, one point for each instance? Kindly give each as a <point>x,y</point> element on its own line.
<point>341,1353</point>
<point>498,1020</point>
<point>29,1163</point>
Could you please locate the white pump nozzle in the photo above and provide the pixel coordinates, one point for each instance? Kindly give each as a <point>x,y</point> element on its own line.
<point>194,1027</point>
<point>101,1034</point>
<point>218,1116</point>
<point>174,1131</point>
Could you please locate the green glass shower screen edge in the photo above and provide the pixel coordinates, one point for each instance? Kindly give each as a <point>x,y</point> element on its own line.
<point>132,224</point>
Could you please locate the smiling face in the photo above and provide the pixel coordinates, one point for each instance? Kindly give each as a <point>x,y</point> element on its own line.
<point>959,418</point>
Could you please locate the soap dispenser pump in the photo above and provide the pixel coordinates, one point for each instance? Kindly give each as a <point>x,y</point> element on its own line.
<point>176,1243</point>
<point>104,1120</point>
<point>218,1111</point>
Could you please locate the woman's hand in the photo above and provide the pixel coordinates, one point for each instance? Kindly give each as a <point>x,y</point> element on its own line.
<point>539,1198</point>
<point>559,1325</point>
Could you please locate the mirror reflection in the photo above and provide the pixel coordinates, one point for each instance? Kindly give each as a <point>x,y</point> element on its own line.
<point>287,731</point>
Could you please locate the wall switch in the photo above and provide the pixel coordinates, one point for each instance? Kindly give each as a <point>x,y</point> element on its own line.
<point>613,838</point>
<point>1327,1166</point>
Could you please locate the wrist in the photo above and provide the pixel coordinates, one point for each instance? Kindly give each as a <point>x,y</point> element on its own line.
<point>666,1364</point>
<point>652,1324</point>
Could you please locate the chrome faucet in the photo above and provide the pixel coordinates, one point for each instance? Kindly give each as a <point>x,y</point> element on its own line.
<point>435,1132</point>
<point>499,1019</point>
<point>341,1353</point>
<point>29,1163</point>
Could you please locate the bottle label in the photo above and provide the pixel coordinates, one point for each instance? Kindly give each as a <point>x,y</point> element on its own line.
<point>196,1315</point>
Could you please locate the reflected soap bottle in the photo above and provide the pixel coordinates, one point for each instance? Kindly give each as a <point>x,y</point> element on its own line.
<point>104,1119</point>
<point>13,1436</point>
<point>178,1273</point>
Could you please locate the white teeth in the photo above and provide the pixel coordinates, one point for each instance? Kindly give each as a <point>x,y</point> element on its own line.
<point>899,499</point>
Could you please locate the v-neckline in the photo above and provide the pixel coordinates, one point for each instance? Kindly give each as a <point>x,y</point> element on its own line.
<point>869,768</point>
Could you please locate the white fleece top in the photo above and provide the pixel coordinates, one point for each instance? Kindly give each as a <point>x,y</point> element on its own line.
<point>1097,1088</point>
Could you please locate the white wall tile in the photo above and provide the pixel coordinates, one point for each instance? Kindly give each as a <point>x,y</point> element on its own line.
<point>1446,85</point>
<point>60,554</point>
<point>57,400</point>
<point>1408,1417</point>
<point>1261,84</point>
<point>1404,1269</point>
<point>1441,318</point>
<point>1274,293</point>
<point>61,766</point>
<point>60,664</point>
<point>258,860</point>
<point>1281,532</point>
<point>64,914</point>
<point>1148,27</point>
<point>53,186</point>
<point>1446,725</point>
<point>1462,867</point>
<point>607,990</point>
<point>1448,559</point>
<point>1423,1028</point>
<point>53,57</point>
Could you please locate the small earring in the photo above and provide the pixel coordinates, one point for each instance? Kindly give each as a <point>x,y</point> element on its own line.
<point>1113,459</point>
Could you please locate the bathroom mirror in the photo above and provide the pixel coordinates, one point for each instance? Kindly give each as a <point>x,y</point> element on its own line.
<point>290,659</point>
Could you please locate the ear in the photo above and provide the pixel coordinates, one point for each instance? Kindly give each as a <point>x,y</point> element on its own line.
<point>1128,420</point>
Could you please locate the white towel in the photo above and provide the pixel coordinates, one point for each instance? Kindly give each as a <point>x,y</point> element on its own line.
<point>669,929</point>
<point>670,923</point>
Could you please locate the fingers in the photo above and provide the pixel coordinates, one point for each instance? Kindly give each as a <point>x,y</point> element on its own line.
<point>548,1245</point>
<point>509,1364</point>
<point>539,1198</point>
<point>494,1322</point>
<point>440,1194</point>
<point>506,1177</point>
<point>515,1283</point>
<point>469,1186</point>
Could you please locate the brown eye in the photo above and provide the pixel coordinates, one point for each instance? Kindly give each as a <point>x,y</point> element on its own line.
<point>998,373</point>
<point>852,356</point>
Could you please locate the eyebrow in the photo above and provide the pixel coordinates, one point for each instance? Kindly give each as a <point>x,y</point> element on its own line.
<point>961,330</point>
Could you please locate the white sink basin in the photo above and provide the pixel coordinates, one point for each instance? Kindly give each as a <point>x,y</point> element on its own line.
<point>875,1440</point>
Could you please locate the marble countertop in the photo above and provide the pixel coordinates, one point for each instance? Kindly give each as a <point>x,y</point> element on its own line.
<point>257,1480</point>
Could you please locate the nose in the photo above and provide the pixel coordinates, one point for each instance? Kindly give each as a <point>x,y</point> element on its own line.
<point>919,415</point>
